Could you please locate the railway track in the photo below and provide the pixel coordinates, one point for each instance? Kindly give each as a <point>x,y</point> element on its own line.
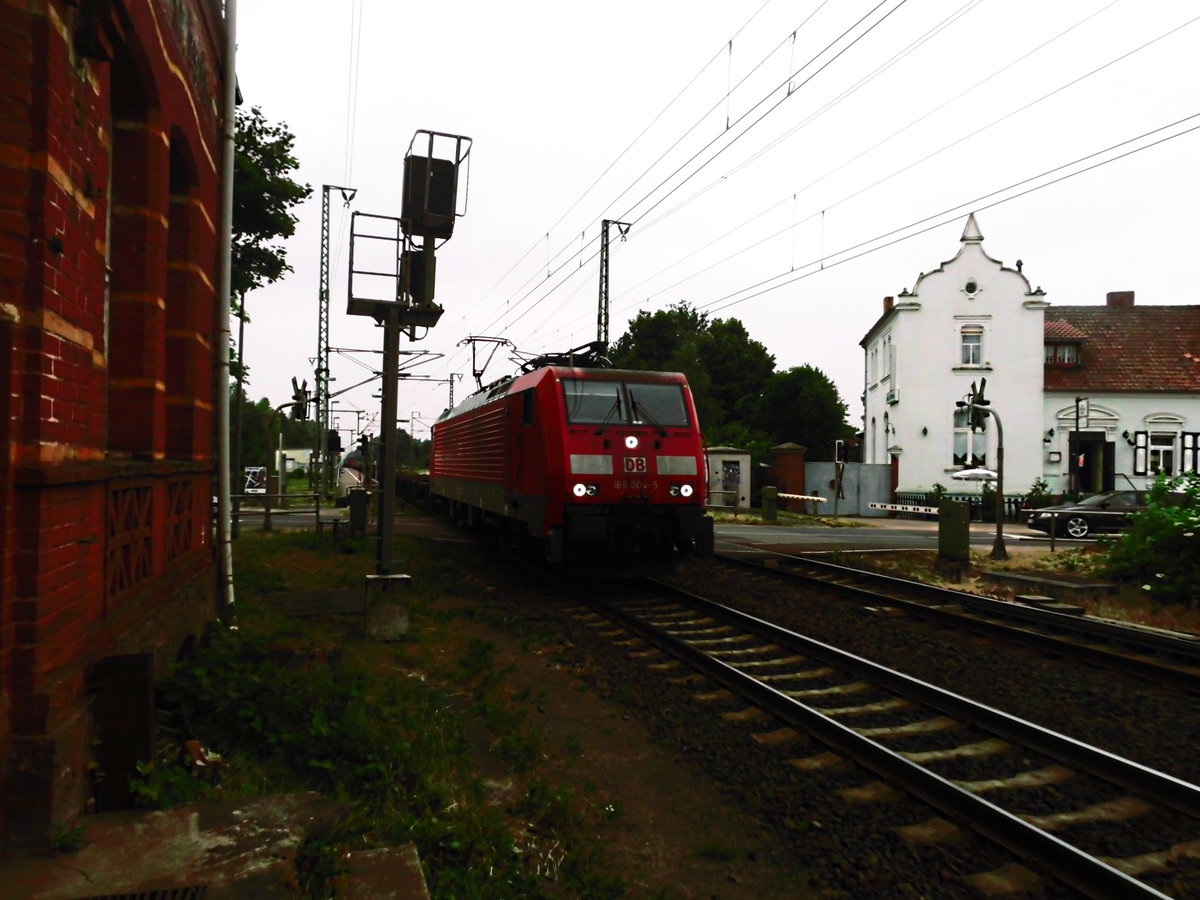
<point>1084,817</point>
<point>1166,657</point>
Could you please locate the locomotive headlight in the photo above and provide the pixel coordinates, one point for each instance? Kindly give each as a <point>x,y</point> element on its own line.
<point>579,490</point>
<point>686,490</point>
<point>631,442</point>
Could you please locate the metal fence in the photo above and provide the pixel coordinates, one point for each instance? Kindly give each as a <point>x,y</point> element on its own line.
<point>979,510</point>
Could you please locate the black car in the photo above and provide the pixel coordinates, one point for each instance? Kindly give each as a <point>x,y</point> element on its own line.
<point>1109,511</point>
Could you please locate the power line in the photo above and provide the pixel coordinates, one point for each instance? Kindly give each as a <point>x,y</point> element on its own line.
<point>925,158</point>
<point>953,213</point>
<point>831,260</point>
<point>741,118</point>
<point>619,157</point>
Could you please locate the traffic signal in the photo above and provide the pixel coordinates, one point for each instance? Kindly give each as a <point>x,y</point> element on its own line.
<point>364,443</point>
<point>333,441</point>
<point>299,399</point>
<point>977,413</point>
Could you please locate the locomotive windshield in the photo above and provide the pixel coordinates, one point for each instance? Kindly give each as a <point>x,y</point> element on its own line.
<point>658,404</point>
<point>593,402</point>
<point>606,402</point>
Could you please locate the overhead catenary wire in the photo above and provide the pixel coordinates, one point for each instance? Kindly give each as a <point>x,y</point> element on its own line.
<point>828,47</point>
<point>675,99</point>
<point>828,261</point>
<point>833,259</point>
<point>953,212</point>
<point>529,285</point>
<point>1008,115</point>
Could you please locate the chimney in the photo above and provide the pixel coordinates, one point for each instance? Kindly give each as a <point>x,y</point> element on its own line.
<point>1120,298</point>
<point>887,304</point>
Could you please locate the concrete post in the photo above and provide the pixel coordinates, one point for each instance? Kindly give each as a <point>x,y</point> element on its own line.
<point>387,607</point>
<point>770,504</point>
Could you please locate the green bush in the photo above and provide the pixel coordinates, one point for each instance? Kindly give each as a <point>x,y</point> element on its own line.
<point>1038,494</point>
<point>1161,549</point>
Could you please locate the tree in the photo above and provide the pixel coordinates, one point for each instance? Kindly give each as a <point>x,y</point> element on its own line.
<point>723,365</point>
<point>261,431</point>
<point>802,405</point>
<point>263,197</point>
<point>738,366</point>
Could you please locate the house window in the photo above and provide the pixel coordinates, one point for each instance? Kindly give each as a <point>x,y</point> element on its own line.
<point>1162,453</point>
<point>1062,354</point>
<point>970,447</point>
<point>972,345</point>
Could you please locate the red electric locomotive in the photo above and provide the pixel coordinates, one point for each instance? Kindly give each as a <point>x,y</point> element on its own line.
<point>595,463</point>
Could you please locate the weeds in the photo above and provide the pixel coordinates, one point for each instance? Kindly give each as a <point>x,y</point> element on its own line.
<point>65,839</point>
<point>306,704</point>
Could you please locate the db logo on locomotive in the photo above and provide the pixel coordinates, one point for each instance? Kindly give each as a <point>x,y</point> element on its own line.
<point>635,464</point>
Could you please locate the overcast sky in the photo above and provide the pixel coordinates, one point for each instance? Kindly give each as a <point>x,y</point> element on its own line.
<point>771,158</point>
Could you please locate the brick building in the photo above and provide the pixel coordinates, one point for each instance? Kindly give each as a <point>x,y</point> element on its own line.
<point>109,189</point>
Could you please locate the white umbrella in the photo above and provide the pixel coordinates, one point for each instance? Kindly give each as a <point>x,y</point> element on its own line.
<point>975,475</point>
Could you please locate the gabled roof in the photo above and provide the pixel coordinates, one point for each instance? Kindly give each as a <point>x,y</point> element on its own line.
<point>1127,348</point>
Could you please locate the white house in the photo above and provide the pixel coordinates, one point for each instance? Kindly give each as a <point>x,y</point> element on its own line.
<point>1122,393</point>
<point>1134,371</point>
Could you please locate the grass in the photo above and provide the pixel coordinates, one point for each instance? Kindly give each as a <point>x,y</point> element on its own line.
<point>308,704</point>
<point>783,519</point>
<point>1129,605</point>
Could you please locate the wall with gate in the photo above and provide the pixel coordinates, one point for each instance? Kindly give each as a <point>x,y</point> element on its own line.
<point>862,483</point>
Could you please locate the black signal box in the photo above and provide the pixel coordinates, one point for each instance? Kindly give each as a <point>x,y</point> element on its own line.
<point>430,196</point>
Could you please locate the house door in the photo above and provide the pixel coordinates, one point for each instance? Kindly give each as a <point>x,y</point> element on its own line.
<point>123,716</point>
<point>1093,462</point>
<point>895,475</point>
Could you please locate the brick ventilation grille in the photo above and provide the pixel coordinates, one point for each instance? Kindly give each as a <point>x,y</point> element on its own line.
<point>129,537</point>
<point>197,892</point>
<point>180,495</point>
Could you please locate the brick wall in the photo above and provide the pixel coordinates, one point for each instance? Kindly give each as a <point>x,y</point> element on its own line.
<point>109,135</point>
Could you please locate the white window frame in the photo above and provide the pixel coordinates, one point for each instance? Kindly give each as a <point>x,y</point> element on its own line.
<point>1162,452</point>
<point>973,444</point>
<point>968,349</point>
<point>1063,354</point>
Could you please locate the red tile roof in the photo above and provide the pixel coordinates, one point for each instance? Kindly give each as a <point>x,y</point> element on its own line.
<point>1063,331</point>
<point>1134,348</point>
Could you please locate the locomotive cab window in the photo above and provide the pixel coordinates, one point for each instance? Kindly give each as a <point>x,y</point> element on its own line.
<point>593,402</point>
<point>658,404</point>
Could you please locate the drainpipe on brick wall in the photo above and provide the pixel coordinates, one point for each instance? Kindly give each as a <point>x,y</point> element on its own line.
<point>224,237</point>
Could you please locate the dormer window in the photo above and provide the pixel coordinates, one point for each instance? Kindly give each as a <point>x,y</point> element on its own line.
<point>1062,354</point>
